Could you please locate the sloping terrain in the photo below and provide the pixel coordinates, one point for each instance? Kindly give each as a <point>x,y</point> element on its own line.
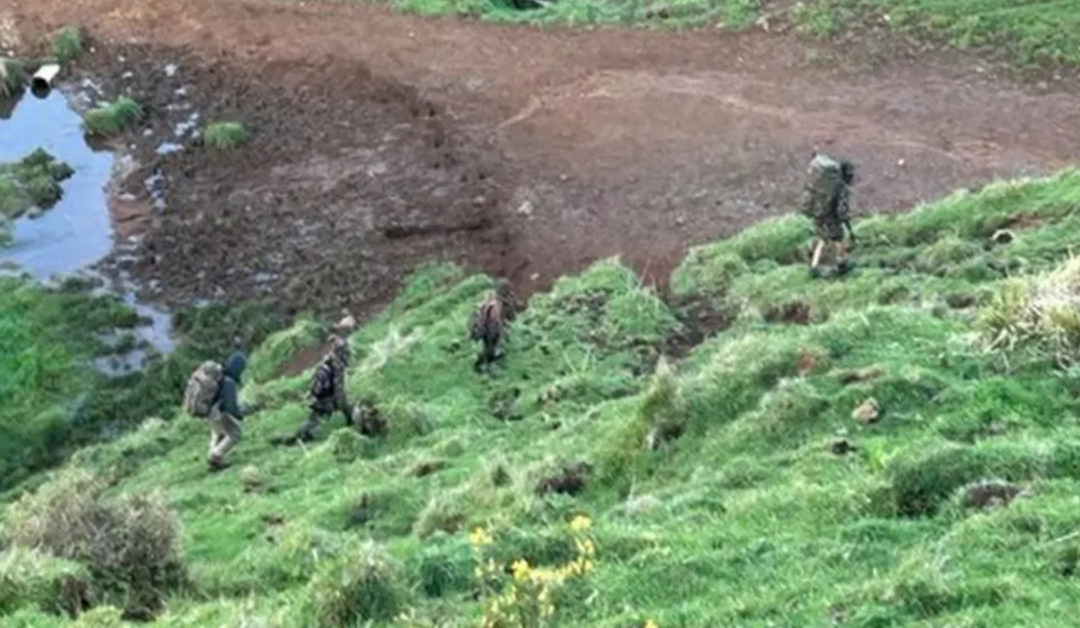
<point>382,140</point>
<point>897,447</point>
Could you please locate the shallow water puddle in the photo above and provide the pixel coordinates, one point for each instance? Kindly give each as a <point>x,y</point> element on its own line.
<point>76,231</point>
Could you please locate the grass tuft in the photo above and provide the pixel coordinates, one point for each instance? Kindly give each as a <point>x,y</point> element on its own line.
<point>67,45</point>
<point>114,118</point>
<point>225,136</point>
<point>130,545</point>
<point>1044,309</point>
<point>365,586</point>
<point>12,78</point>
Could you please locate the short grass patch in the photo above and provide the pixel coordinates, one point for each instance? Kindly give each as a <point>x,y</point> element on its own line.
<point>1032,32</point>
<point>113,118</point>
<point>12,78</point>
<point>225,136</point>
<point>32,182</point>
<point>67,45</point>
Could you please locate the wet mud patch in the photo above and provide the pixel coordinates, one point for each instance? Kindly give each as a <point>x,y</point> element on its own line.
<point>342,189</point>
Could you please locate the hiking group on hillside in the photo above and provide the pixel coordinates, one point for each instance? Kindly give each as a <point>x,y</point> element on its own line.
<point>213,389</point>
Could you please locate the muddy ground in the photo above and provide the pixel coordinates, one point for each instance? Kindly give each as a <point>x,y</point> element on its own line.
<point>383,140</point>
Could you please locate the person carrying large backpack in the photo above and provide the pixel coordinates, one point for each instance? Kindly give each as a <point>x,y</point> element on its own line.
<point>827,201</point>
<point>488,323</point>
<point>326,393</point>
<point>212,393</point>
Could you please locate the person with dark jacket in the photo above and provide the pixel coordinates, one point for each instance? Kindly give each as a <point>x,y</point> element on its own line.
<point>227,412</point>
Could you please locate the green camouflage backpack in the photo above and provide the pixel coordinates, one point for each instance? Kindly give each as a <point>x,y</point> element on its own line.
<point>824,194</point>
<point>202,389</point>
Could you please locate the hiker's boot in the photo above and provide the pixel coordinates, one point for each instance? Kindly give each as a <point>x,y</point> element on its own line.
<point>815,272</point>
<point>216,464</point>
<point>845,267</point>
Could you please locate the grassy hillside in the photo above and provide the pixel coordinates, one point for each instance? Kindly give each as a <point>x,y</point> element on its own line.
<point>784,501</point>
<point>53,397</point>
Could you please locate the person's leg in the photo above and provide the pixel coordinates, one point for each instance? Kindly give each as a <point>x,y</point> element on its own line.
<point>232,435</point>
<point>309,429</point>
<point>815,258</point>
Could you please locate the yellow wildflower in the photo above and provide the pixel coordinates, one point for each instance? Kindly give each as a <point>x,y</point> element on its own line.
<point>650,624</point>
<point>521,569</point>
<point>480,537</point>
<point>580,522</point>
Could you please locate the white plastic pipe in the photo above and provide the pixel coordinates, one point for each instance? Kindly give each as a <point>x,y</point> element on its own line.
<point>44,77</point>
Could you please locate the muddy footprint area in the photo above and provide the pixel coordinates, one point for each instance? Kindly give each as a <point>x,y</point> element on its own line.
<point>344,187</point>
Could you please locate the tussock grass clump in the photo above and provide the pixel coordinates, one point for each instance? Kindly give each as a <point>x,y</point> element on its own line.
<point>346,445</point>
<point>365,585</point>
<point>29,578</point>
<point>130,544</point>
<point>114,118</point>
<point>921,484</point>
<point>12,78</point>
<point>32,182</point>
<point>661,407</point>
<point>1044,309</point>
<point>67,44</point>
<point>225,136</point>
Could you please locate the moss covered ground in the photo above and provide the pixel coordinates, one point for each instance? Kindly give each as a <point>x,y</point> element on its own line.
<point>832,445</point>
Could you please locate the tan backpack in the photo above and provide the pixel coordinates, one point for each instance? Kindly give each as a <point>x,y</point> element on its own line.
<point>202,389</point>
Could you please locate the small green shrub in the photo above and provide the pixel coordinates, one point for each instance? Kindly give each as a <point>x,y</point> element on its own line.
<point>444,568</point>
<point>31,579</point>
<point>114,118</point>
<point>225,136</point>
<point>130,544</point>
<point>67,45</point>
<point>365,585</point>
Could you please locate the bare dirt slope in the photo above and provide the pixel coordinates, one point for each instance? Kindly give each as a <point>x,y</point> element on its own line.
<point>531,152</point>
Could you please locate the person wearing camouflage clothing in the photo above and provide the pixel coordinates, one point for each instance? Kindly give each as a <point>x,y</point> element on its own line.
<point>488,323</point>
<point>227,413</point>
<point>327,392</point>
<point>827,201</point>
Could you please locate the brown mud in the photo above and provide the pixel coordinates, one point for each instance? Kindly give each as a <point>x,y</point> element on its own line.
<point>383,140</point>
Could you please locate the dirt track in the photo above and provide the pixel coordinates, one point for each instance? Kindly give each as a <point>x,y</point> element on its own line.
<point>532,152</point>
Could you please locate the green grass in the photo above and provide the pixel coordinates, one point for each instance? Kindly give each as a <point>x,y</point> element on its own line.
<point>748,518</point>
<point>53,398</point>
<point>673,13</point>
<point>32,182</point>
<point>112,119</point>
<point>1031,32</point>
<point>225,136</point>
<point>1027,32</point>
<point>12,78</point>
<point>67,44</point>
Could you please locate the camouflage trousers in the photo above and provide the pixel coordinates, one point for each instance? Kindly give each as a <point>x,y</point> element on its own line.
<point>829,230</point>
<point>224,435</point>
<point>321,410</point>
